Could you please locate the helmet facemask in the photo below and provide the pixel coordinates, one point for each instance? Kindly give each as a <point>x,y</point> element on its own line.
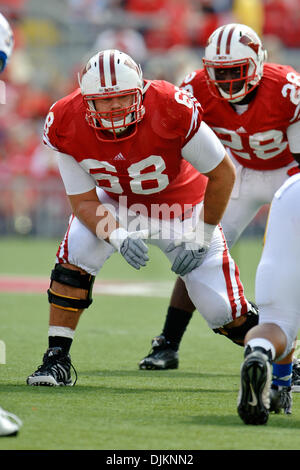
<point>231,80</point>
<point>117,120</point>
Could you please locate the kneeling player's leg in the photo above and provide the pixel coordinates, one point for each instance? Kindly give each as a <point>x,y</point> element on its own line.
<point>164,353</point>
<point>278,298</point>
<point>218,293</point>
<point>267,342</point>
<point>179,314</point>
<point>79,258</point>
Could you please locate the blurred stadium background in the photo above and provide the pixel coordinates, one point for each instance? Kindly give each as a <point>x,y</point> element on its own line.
<point>52,41</point>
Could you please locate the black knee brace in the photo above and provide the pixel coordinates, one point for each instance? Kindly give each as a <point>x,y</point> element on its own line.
<point>70,277</point>
<point>237,334</point>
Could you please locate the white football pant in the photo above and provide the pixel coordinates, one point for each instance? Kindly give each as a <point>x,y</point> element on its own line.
<point>278,274</point>
<point>252,190</point>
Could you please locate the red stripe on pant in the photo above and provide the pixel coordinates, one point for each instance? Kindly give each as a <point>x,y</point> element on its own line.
<point>226,272</point>
<point>64,244</point>
<point>243,301</point>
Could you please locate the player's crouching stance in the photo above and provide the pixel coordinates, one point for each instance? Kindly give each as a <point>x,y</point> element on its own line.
<point>278,298</point>
<point>128,146</point>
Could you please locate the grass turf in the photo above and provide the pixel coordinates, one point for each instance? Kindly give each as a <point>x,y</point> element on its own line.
<point>114,405</point>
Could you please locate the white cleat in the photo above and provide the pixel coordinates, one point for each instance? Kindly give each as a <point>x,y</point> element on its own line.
<point>9,423</point>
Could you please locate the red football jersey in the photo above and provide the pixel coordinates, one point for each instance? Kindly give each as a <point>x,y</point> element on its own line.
<point>148,167</point>
<point>257,138</point>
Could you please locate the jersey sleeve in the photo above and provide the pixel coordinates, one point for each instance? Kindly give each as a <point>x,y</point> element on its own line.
<point>190,112</point>
<point>282,91</point>
<point>76,180</point>
<point>290,93</point>
<point>179,115</point>
<point>51,126</point>
<point>204,151</point>
<point>188,83</point>
<point>293,134</point>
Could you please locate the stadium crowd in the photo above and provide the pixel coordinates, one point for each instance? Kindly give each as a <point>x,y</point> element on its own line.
<point>53,40</point>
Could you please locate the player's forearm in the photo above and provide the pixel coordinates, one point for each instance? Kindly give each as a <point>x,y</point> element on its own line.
<point>219,187</point>
<point>96,218</point>
<point>215,202</point>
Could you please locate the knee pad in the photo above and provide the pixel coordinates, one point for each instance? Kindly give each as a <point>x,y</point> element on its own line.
<point>70,277</point>
<point>237,334</point>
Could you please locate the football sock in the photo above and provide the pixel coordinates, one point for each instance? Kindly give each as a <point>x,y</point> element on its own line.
<point>282,374</point>
<point>60,336</point>
<point>61,342</point>
<point>175,325</point>
<point>262,343</point>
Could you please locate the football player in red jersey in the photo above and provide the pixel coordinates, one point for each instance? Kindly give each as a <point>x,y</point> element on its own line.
<point>137,161</point>
<point>254,108</point>
<point>9,423</point>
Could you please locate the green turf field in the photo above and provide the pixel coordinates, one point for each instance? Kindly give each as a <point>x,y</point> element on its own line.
<point>114,405</point>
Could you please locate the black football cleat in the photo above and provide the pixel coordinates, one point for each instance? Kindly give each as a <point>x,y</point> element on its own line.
<point>162,356</point>
<point>281,399</point>
<point>55,370</point>
<point>254,394</point>
<point>296,376</point>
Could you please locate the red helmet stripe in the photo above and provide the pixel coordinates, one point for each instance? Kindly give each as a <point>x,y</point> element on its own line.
<point>101,70</point>
<point>219,40</point>
<point>112,68</point>
<point>229,40</point>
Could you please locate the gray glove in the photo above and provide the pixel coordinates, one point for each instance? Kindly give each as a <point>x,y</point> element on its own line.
<point>131,246</point>
<point>188,258</point>
<point>193,247</point>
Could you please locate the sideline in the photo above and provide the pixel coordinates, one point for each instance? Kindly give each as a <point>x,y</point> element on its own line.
<point>39,285</point>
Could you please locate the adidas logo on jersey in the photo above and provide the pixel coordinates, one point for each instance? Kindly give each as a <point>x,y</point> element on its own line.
<point>120,156</point>
<point>241,130</point>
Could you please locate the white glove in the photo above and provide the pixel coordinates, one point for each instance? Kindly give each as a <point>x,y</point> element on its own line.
<point>131,246</point>
<point>192,251</point>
